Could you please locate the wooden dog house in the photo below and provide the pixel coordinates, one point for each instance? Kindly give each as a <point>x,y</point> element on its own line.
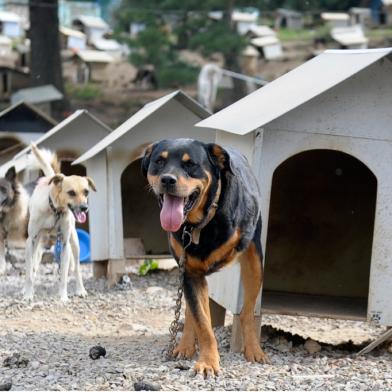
<point>320,142</point>
<point>129,215</point>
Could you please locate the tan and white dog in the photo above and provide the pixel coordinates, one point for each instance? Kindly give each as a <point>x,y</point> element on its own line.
<point>57,201</point>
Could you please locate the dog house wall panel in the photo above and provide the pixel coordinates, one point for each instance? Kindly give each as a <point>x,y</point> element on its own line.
<point>348,109</point>
<point>98,216</point>
<point>278,146</point>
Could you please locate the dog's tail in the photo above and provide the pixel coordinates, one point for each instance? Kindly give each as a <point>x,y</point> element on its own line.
<point>44,160</point>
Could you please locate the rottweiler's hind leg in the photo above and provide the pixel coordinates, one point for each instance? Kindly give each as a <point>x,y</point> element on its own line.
<point>252,276</point>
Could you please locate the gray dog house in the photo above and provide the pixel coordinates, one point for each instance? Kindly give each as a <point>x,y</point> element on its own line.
<point>320,142</point>
<point>129,213</point>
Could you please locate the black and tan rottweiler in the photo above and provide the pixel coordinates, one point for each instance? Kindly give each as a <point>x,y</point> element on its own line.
<point>210,192</point>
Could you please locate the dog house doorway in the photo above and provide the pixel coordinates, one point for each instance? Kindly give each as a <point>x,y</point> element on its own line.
<point>320,234</point>
<point>143,234</point>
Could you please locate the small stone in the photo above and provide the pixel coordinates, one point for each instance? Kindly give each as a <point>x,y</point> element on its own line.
<point>145,386</point>
<point>312,347</point>
<point>389,348</point>
<point>125,279</point>
<point>153,290</point>
<point>6,386</point>
<point>34,365</point>
<point>283,345</point>
<point>97,352</point>
<point>15,361</point>
<point>182,366</point>
<point>139,328</point>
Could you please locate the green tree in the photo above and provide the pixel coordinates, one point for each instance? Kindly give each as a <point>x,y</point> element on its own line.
<point>193,30</point>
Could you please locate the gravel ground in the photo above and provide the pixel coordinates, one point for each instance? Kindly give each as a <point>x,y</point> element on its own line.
<point>131,322</point>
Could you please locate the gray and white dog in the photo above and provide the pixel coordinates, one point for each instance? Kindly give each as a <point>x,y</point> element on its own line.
<point>14,202</point>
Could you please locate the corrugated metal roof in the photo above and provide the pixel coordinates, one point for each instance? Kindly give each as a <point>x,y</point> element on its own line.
<point>264,41</point>
<point>106,44</point>
<point>92,21</point>
<point>141,115</point>
<point>38,94</point>
<point>349,35</point>
<point>39,112</point>
<point>95,56</point>
<point>292,90</point>
<point>72,32</point>
<point>6,16</point>
<point>262,31</point>
<point>335,16</point>
<point>290,13</point>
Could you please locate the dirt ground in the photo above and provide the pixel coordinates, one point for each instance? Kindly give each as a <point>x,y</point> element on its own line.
<point>131,321</point>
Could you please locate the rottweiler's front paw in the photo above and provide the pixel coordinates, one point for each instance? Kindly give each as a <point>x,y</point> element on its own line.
<point>184,350</point>
<point>254,353</point>
<point>207,366</point>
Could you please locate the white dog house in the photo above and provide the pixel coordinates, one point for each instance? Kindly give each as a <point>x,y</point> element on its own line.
<point>129,226</point>
<point>320,142</point>
<point>69,139</point>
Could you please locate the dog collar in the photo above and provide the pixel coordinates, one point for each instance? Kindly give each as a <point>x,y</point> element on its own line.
<point>196,230</point>
<point>56,211</point>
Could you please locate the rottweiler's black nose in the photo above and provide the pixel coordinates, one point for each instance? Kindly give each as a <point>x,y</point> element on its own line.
<point>168,180</point>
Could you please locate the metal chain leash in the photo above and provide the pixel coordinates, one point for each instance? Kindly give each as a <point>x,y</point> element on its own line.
<point>174,326</point>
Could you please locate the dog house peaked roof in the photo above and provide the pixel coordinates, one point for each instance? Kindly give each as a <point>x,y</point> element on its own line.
<point>293,89</point>
<point>142,115</point>
<point>77,132</point>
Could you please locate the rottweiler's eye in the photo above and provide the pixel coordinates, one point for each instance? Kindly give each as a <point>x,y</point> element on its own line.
<point>160,161</point>
<point>190,164</point>
<point>71,193</point>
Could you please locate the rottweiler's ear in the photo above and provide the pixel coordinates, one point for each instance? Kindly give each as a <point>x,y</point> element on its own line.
<point>91,184</point>
<point>146,159</point>
<point>57,179</point>
<point>11,174</point>
<point>219,157</point>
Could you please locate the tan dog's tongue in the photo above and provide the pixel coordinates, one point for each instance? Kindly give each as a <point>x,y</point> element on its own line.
<point>172,213</point>
<point>81,217</point>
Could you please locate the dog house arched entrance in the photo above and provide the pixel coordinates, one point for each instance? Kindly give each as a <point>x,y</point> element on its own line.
<point>320,234</point>
<point>141,224</point>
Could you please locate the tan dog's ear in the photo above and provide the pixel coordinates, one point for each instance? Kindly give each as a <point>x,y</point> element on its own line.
<point>91,184</point>
<point>57,179</point>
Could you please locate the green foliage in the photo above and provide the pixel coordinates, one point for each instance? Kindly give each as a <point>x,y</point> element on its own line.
<point>84,92</point>
<point>178,74</point>
<point>148,266</point>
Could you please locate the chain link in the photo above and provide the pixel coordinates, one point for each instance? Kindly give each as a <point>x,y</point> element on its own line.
<point>174,326</point>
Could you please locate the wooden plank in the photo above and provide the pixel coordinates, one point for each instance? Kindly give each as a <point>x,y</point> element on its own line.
<point>218,314</point>
<point>115,270</point>
<point>144,257</point>
<point>381,339</point>
<point>100,269</point>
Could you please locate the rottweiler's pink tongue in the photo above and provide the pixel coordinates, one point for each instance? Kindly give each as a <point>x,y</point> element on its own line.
<point>80,217</point>
<point>172,212</point>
